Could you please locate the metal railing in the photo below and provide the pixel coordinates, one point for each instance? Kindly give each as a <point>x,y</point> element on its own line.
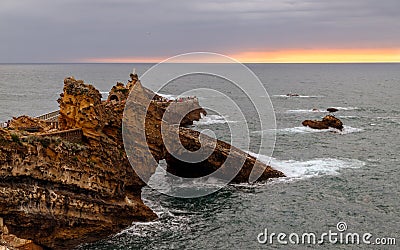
<point>49,116</point>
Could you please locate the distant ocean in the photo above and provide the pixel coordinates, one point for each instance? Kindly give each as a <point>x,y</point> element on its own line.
<point>351,176</point>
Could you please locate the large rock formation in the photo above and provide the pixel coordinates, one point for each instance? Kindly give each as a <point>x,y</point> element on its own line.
<point>59,193</point>
<point>173,135</point>
<point>328,121</point>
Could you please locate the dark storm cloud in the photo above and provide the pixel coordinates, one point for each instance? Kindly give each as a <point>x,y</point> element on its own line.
<point>48,30</point>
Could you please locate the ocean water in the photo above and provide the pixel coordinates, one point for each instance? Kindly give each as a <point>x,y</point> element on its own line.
<point>333,176</point>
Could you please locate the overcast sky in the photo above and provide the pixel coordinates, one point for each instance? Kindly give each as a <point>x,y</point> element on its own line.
<point>74,30</point>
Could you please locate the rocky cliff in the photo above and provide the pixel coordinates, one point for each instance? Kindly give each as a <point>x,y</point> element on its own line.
<point>60,193</point>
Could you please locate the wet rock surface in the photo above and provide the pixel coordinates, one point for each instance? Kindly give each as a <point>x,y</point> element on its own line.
<point>327,122</point>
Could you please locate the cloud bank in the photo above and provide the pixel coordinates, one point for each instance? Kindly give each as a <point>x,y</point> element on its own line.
<point>74,30</point>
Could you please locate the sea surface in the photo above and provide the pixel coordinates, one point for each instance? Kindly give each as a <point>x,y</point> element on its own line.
<point>350,176</point>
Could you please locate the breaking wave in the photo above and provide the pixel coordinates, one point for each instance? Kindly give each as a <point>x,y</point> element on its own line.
<point>211,119</point>
<point>168,97</point>
<point>346,108</point>
<point>304,130</point>
<point>310,168</point>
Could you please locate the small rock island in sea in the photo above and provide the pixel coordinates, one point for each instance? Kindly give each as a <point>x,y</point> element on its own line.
<point>327,122</point>
<point>66,178</point>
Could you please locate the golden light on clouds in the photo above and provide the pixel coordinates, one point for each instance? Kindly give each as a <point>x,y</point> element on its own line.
<point>284,56</point>
<point>322,56</point>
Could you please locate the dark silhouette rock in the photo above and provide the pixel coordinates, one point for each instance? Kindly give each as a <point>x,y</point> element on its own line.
<point>328,121</point>
<point>332,110</point>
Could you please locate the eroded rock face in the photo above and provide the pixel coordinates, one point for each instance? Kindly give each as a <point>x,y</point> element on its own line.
<point>60,194</point>
<point>173,135</point>
<point>81,107</point>
<point>328,121</point>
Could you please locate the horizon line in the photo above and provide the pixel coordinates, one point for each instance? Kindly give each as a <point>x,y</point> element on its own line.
<point>267,56</point>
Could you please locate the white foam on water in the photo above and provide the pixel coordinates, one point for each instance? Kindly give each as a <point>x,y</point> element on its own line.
<point>211,119</point>
<point>305,130</point>
<point>299,96</point>
<point>310,168</point>
<point>302,130</point>
<point>168,97</point>
<point>166,224</point>
<point>346,108</point>
<point>348,116</point>
<point>306,111</point>
<point>348,130</point>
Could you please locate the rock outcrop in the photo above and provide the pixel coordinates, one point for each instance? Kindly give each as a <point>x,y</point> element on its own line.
<point>328,121</point>
<point>155,139</point>
<point>59,193</point>
<point>81,107</point>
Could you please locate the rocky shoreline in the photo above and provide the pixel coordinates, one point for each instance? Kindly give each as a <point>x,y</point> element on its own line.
<point>68,181</point>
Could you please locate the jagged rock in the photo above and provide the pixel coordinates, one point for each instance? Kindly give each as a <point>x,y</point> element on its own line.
<point>60,194</point>
<point>81,107</point>
<point>118,93</point>
<point>328,121</point>
<point>155,140</point>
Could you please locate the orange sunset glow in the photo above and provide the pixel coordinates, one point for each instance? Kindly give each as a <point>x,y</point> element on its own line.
<point>287,56</point>
<point>322,56</point>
